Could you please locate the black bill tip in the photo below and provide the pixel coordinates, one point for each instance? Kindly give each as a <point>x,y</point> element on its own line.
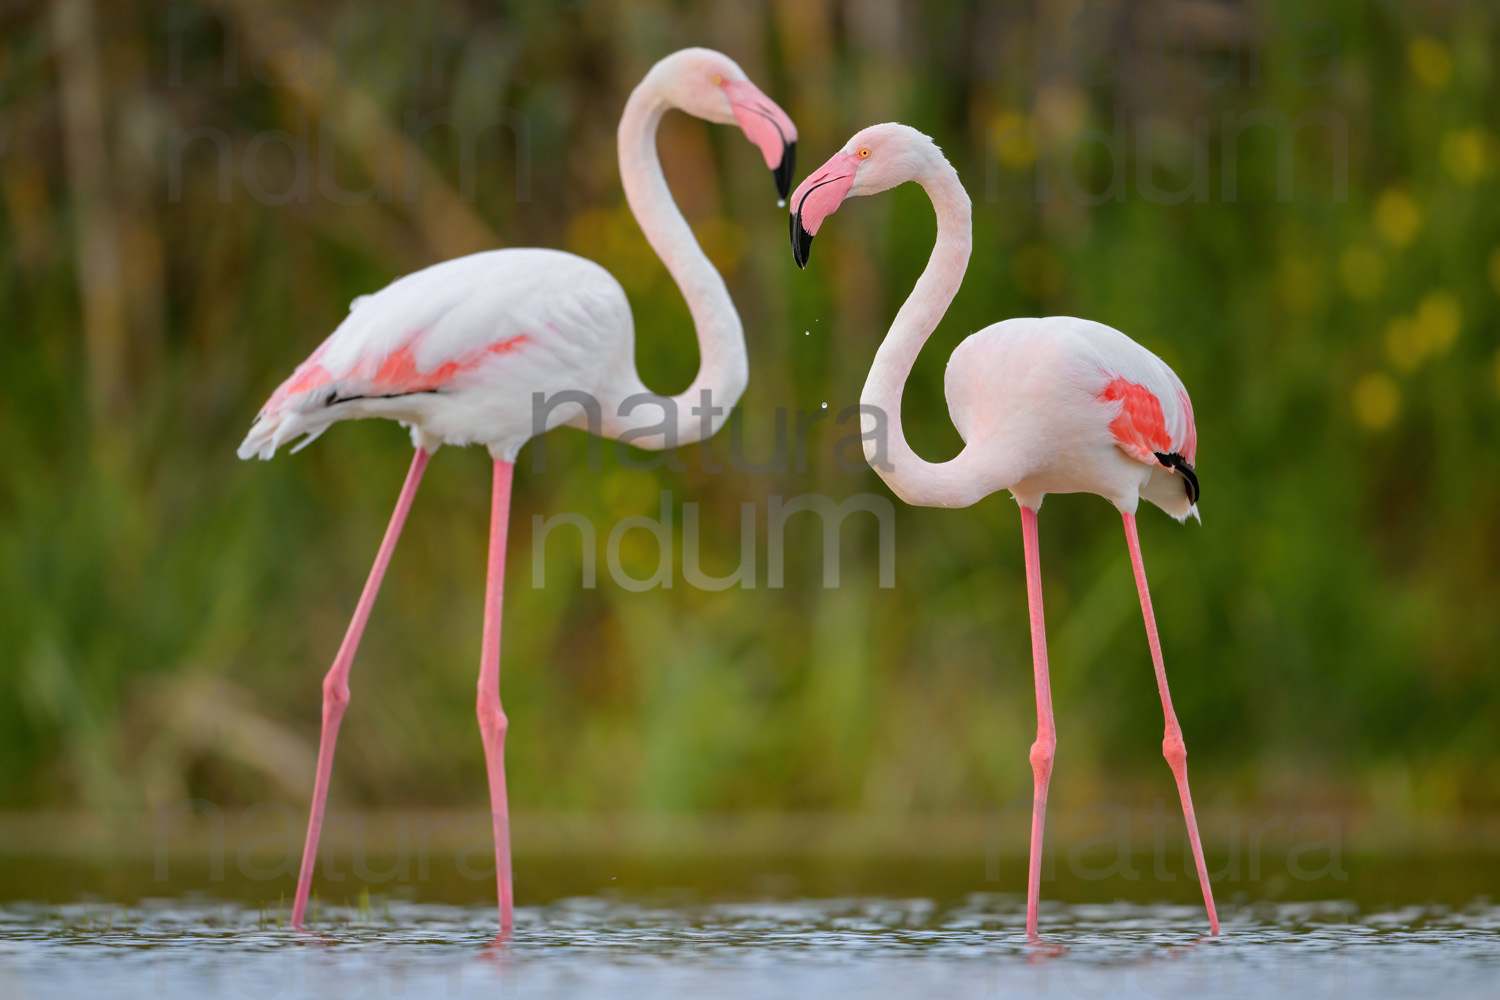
<point>784,170</point>
<point>801,241</point>
<point>1189,477</point>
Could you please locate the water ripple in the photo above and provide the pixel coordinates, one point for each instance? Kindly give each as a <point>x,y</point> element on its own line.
<point>589,947</point>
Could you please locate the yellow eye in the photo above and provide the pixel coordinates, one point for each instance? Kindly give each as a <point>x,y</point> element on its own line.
<point>718,80</point>
<point>864,153</point>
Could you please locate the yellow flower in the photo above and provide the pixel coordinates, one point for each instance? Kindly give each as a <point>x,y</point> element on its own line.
<point>1014,139</point>
<point>1437,322</point>
<point>1397,216</point>
<point>1468,154</point>
<point>1376,400</point>
<point>1362,270</point>
<point>1430,62</point>
<point>1432,330</point>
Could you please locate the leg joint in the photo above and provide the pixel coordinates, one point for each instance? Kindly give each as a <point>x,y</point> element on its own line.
<point>1174,749</point>
<point>491,715</point>
<point>1042,753</point>
<point>335,692</point>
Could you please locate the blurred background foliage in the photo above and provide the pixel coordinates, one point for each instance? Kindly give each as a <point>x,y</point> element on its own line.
<point>193,193</point>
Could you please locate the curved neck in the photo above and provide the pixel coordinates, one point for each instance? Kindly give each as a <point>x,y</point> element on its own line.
<point>947,484</point>
<point>653,421</point>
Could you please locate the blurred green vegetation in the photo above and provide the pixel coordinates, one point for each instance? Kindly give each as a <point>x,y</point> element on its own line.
<point>167,611</point>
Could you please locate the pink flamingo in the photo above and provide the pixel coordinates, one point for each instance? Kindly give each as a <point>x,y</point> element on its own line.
<point>462,351</point>
<point>1056,405</point>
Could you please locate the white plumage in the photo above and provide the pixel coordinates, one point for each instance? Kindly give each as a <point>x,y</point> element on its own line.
<point>1033,391</point>
<point>456,351</point>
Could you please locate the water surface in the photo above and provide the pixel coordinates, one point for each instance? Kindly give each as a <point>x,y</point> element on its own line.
<point>620,947</point>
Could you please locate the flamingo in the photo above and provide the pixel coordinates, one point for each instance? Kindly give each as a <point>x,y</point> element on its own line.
<point>1055,405</point>
<point>464,351</point>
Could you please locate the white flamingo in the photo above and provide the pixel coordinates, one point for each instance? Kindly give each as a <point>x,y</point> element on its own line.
<point>461,351</point>
<point>1056,405</point>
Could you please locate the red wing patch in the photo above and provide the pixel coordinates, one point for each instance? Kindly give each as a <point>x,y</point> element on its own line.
<point>395,374</point>
<point>1140,429</point>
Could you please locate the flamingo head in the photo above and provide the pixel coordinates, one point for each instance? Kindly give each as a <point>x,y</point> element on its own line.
<point>710,85</point>
<point>876,159</point>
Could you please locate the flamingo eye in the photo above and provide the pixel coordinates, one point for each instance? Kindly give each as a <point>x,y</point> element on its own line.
<point>718,80</point>
<point>863,153</point>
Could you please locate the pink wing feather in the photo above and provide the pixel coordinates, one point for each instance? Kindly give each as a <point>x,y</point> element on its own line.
<point>389,374</point>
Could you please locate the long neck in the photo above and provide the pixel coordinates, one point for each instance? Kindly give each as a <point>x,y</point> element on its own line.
<point>955,483</point>
<point>724,367</point>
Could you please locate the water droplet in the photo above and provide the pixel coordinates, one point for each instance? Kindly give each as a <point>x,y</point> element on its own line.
<point>825,406</point>
<point>807,333</point>
<point>781,203</point>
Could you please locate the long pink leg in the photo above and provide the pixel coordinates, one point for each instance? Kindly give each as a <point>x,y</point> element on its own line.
<point>1172,745</point>
<point>336,683</point>
<point>492,721</point>
<point>1043,749</point>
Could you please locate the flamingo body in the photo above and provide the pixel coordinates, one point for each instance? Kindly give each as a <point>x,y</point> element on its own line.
<point>462,352</point>
<point>1065,405</point>
<point>1057,405</point>
<point>457,350</point>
